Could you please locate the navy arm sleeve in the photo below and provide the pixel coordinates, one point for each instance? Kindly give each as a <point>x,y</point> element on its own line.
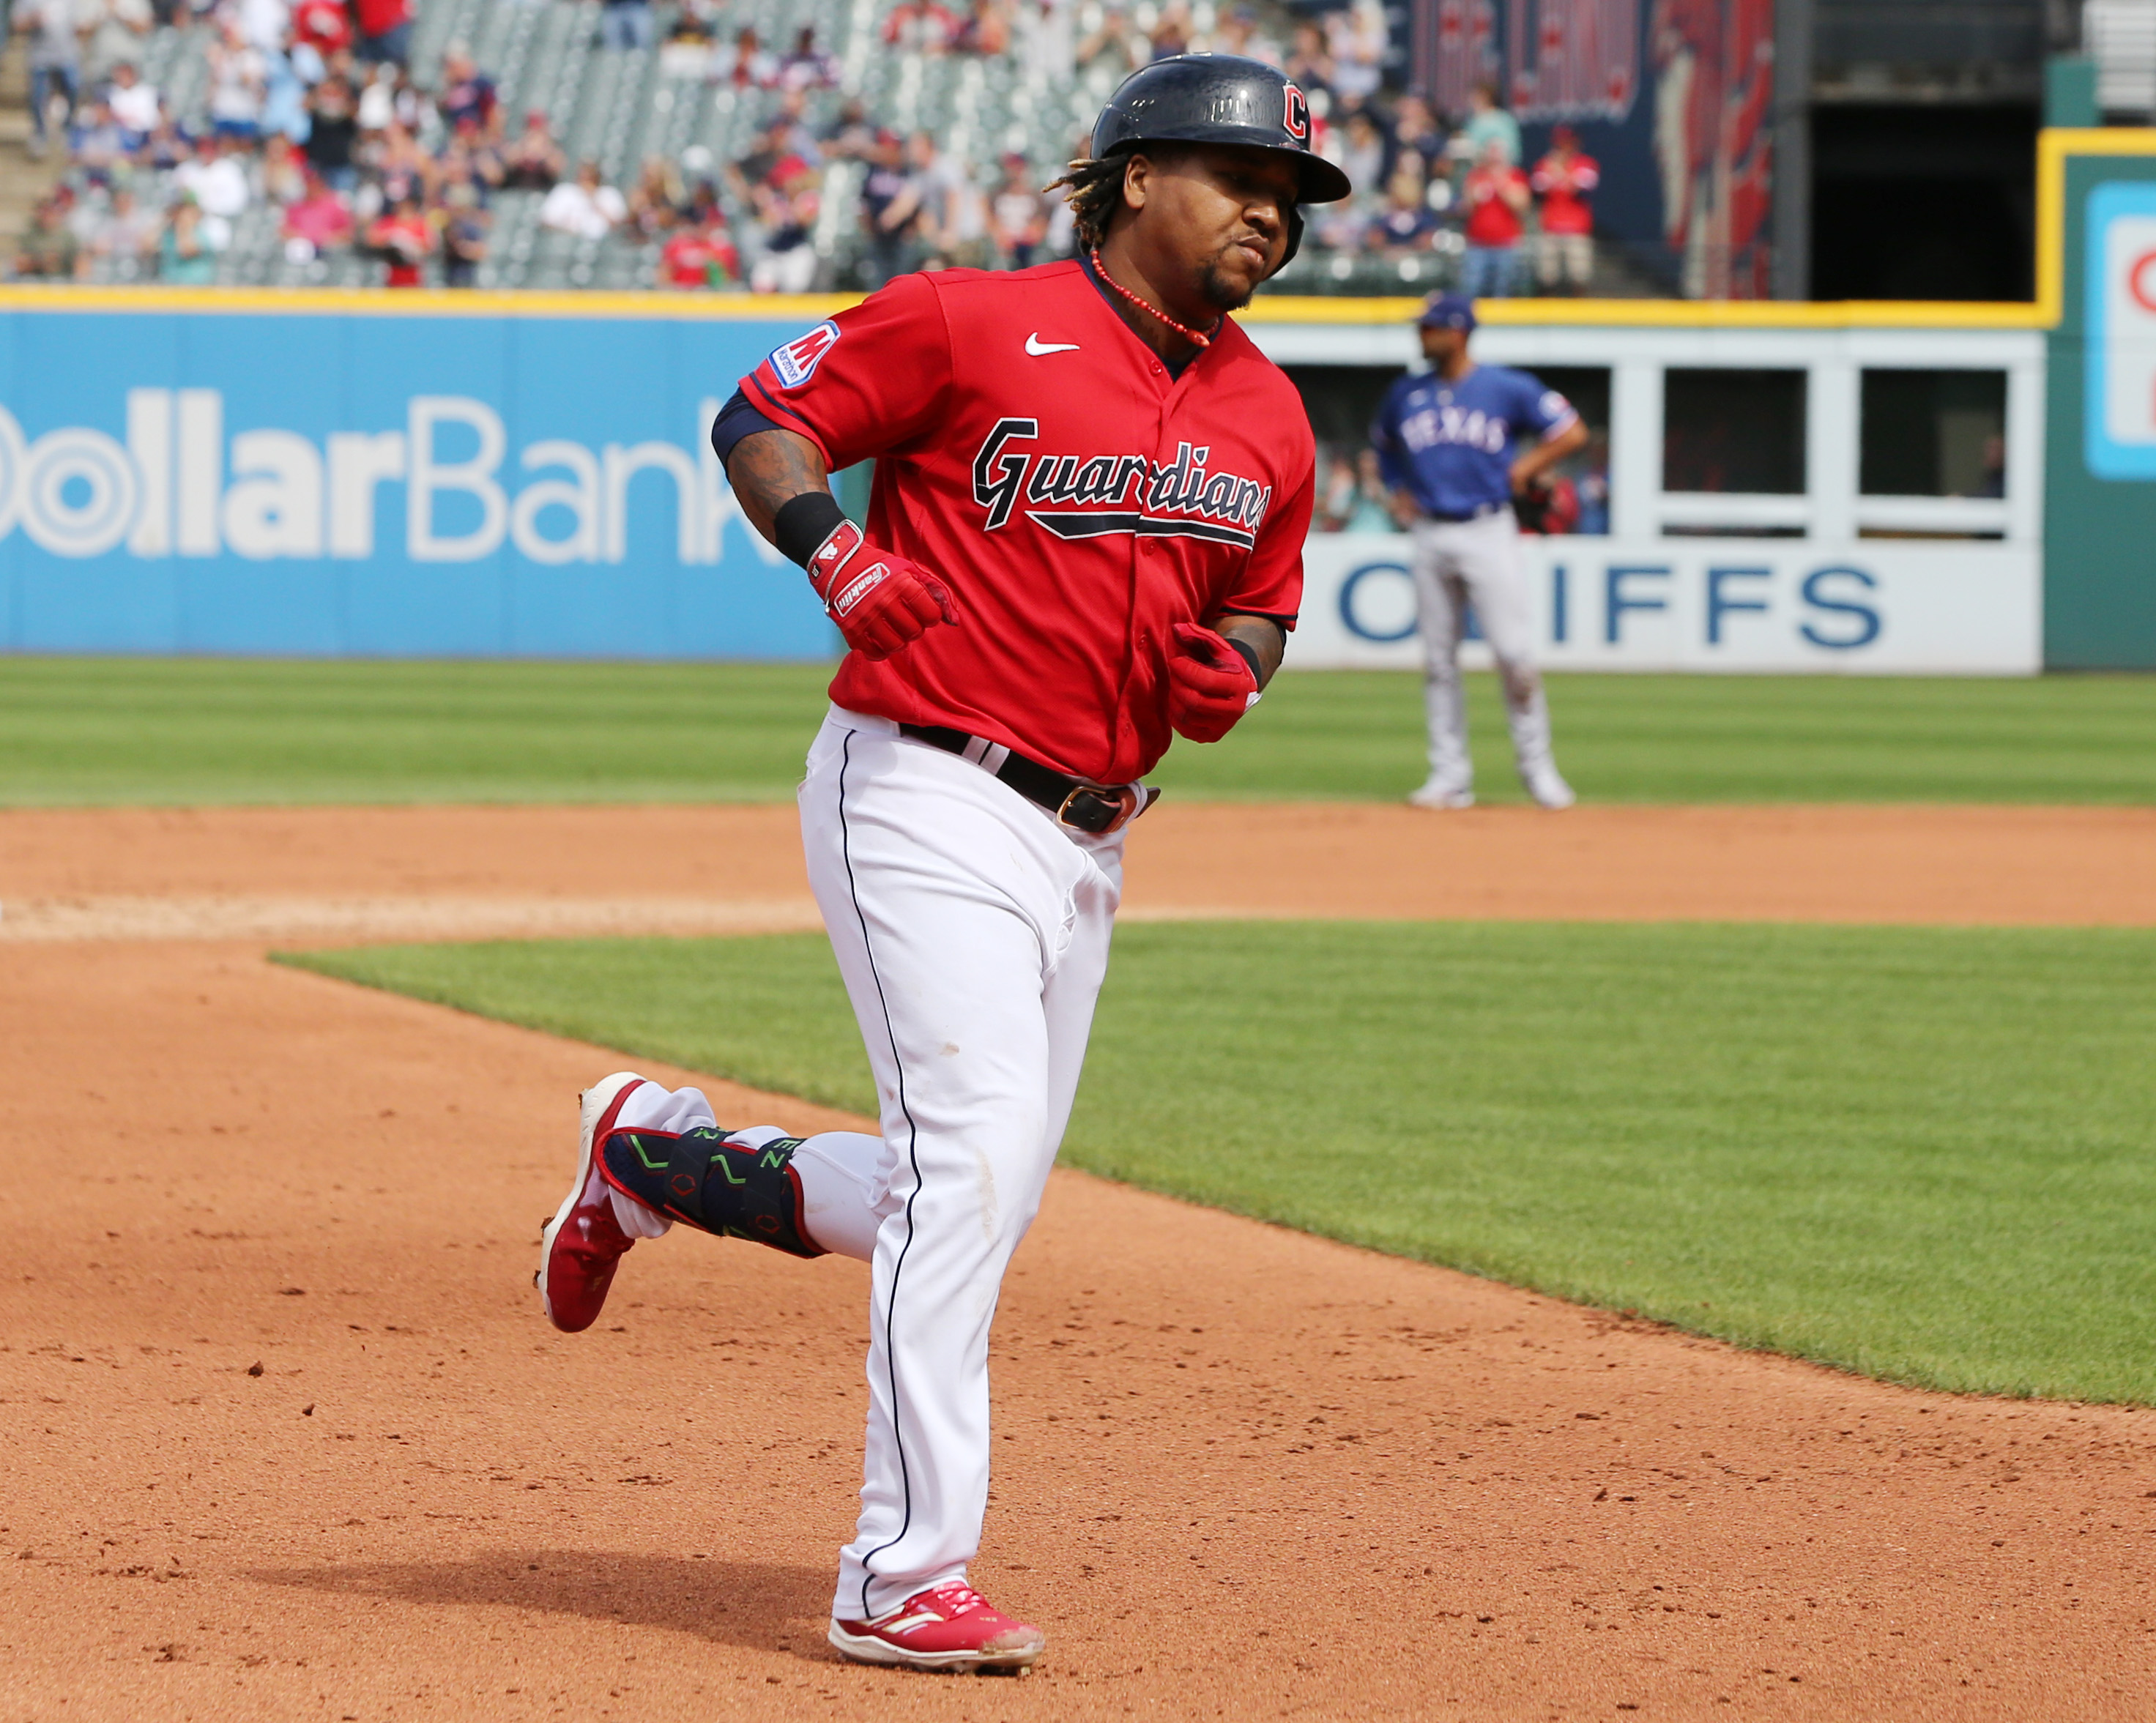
<point>737,419</point>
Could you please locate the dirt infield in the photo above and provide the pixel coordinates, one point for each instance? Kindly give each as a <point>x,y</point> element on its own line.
<point>354,874</point>
<point>1241,1472</point>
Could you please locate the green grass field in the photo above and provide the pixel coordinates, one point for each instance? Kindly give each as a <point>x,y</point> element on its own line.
<point>1924,1153</point>
<point>137,730</point>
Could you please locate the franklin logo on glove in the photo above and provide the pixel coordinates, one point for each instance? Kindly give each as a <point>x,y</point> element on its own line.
<point>881,603</point>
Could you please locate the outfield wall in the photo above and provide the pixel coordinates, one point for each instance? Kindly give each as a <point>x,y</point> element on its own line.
<point>443,474</point>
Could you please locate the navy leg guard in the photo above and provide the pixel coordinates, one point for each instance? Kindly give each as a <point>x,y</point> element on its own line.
<point>712,1185</point>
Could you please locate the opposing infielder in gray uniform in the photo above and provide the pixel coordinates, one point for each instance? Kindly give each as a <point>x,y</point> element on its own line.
<point>1448,445</point>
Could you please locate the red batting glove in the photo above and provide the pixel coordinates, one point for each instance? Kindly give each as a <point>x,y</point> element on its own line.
<point>882,603</point>
<point>1210,686</point>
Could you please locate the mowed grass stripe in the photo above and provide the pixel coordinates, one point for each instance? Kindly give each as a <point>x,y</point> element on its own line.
<point>1923,1154</point>
<point>150,731</point>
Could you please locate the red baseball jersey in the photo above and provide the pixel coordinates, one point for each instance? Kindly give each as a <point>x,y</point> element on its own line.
<point>1078,498</point>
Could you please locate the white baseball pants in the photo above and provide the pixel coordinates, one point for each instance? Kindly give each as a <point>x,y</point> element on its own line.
<point>971,930</point>
<point>1457,563</point>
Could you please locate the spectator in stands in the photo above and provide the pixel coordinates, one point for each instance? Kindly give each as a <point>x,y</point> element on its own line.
<point>889,211</point>
<point>808,67</point>
<point>655,199</point>
<point>470,161</point>
<point>96,143</point>
<point>1563,180</point>
<point>134,104</point>
<point>55,61</point>
<point>284,181</point>
<point>1339,494</point>
<point>215,176</point>
<point>48,250</point>
<point>789,214</point>
<point>1416,132</point>
<point>1487,124</point>
<point>390,93</point>
<point>851,136</point>
<point>1309,63</point>
<point>1360,147</point>
<point>919,27</point>
<point>405,239</point>
<point>1171,34</point>
<point>263,23</point>
<point>332,132</point>
<point>1592,486</point>
<point>1407,224</point>
<point>1117,47</point>
<point>466,93</point>
<point>920,208</point>
<point>385,31</point>
<point>1992,481</point>
<point>1018,216</point>
<point>687,52</point>
<point>987,30</point>
<point>323,25</point>
<point>960,212</point>
<point>1357,42</point>
<point>397,168</point>
<point>701,254</point>
<point>463,236</point>
<point>1496,196</point>
<point>236,80</point>
<point>585,206</point>
<point>625,25</point>
<point>115,30</point>
<point>1047,49</point>
<point>285,90</point>
<point>186,257</point>
<point>745,63</point>
<point>1237,33</point>
<point>317,222</point>
<point>534,162</point>
<point>167,147</point>
<point>127,237</point>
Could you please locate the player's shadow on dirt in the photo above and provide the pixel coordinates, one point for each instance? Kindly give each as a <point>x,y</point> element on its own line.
<point>765,1606</point>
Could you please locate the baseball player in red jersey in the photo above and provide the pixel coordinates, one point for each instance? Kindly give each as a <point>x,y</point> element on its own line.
<point>1084,537</point>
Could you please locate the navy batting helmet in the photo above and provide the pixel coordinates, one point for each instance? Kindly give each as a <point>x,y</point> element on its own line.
<point>1221,99</point>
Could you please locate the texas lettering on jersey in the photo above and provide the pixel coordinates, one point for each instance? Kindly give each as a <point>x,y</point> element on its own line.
<point>1470,426</point>
<point>1114,493</point>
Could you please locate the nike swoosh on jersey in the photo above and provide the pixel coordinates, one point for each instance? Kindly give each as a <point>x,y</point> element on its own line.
<point>1036,346</point>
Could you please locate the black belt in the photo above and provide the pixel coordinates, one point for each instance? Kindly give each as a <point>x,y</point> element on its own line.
<point>1482,514</point>
<point>1095,810</point>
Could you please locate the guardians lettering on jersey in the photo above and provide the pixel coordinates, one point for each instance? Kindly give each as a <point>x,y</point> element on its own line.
<point>1126,493</point>
<point>1471,426</point>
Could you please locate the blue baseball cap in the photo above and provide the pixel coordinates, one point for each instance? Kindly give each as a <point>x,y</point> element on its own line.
<point>1447,310</point>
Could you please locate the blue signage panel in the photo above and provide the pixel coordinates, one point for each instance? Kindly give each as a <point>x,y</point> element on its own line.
<point>2120,281</point>
<point>397,485</point>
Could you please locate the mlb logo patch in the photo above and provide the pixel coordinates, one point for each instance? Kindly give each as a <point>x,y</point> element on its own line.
<point>796,362</point>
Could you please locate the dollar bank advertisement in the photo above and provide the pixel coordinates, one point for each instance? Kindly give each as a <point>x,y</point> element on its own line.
<point>429,484</point>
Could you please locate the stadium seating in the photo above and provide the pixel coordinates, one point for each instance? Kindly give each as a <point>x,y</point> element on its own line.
<point>618,108</point>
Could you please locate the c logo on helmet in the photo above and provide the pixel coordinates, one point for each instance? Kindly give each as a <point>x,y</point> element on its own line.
<point>1296,121</point>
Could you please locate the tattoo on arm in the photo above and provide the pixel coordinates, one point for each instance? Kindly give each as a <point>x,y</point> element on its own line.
<point>1262,635</point>
<point>768,469</point>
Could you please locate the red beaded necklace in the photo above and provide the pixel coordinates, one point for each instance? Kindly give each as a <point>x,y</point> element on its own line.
<point>1189,335</point>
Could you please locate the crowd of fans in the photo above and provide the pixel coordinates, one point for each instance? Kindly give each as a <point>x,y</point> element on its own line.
<point>312,113</point>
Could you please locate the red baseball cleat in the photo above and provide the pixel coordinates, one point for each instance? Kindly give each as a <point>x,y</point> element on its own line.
<point>580,1248</point>
<point>950,1627</point>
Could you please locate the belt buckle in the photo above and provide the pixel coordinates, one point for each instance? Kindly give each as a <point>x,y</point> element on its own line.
<point>1125,801</point>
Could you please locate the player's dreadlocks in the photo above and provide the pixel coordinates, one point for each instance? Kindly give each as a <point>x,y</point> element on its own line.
<point>1094,189</point>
